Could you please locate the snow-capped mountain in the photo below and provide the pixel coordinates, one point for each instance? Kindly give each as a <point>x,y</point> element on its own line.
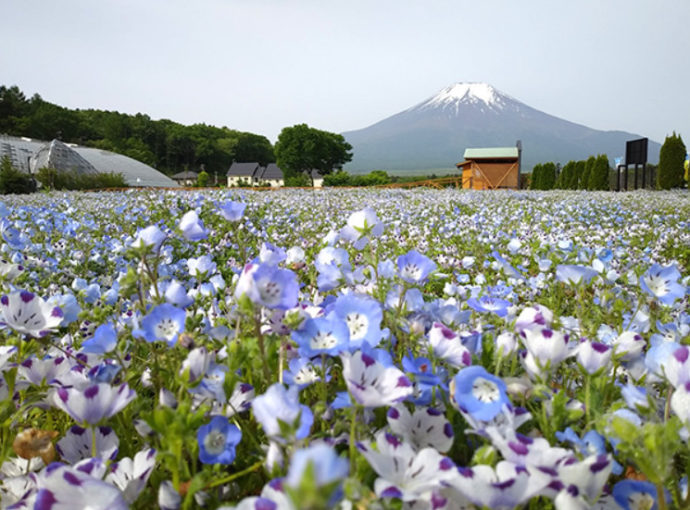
<point>435,133</point>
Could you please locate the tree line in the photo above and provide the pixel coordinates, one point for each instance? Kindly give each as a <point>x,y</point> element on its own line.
<point>166,145</point>
<point>595,173</point>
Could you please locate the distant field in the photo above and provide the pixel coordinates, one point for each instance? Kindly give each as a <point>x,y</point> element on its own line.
<point>424,172</point>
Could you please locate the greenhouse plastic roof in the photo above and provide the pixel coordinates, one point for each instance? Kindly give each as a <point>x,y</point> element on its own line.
<point>135,173</point>
<point>61,157</point>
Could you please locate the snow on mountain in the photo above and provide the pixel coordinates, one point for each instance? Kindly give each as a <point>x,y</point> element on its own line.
<point>433,134</point>
<point>456,95</point>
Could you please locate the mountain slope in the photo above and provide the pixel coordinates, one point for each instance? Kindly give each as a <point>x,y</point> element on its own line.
<point>435,133</point>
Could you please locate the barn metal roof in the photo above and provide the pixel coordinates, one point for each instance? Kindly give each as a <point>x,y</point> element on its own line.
<point>491,153</point>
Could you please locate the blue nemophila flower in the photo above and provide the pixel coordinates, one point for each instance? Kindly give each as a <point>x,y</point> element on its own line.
<point>279,403</point>
<point>680,402</point>
<point>192,227</point>
<point>661,282</point>
<point>507,268</point>
<point>478,393</point>
<point>302,372</point>
<point>94,403</point>
<point>162,324</point>
<point>413,267</point>
<point>62,487</point>
<point>44,370</point>
<point>447,345</point>
<point>104,340</point>
<point>196,364</point>
<point>322,335</point>
<point>268,286</point>
<point>574,274</point>
<point>371,383</point>
<point>332,265</point>
<point>328,466</point>
<point>636,495</point>
<point>425,427</point>
<point>270,254</point>
<point>131,475</point>
<point>80,443</point>
<point>537,316</point>
<point>176,294</point>
<point>592,443</point>
<point>231,210</point>
<point>546,348</point>
<point>489,304</point>
<point>151,237</point>
<point>629,344</point>
<point>201,267</point>
<point>403,472</point>
<point>217,441</point>
<point>168,497</point>
<point>593,356</point>
<point>504,487</point>
<point>363,316</point>
<point>26,313</point>
<point>423,371</point>
<point>360,226</point>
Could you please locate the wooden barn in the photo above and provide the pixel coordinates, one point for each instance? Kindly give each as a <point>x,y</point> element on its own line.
<point>491,168</point>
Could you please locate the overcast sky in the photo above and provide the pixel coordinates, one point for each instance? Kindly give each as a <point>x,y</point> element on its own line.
<point>261,65</point>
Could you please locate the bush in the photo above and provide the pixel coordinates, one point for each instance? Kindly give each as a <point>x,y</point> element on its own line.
<point>69,180</point>
<point>671,160</point>
<point>342,178</point>
<point>339,178</point>
<point>202,179</point>
<point>300,180</point>
<point>599,174</point>
<point>14,181</point>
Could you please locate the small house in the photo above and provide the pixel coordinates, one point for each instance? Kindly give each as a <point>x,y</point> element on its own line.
<point>271,176</point>
<point>491,168</point>
<point>243,174</point>
<point>317,179</point>
<point>186,178</point>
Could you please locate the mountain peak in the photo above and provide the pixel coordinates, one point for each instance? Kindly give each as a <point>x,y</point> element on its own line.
<point>473,93</point>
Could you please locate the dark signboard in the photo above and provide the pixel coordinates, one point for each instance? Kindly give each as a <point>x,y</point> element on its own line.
<point>636,152</point>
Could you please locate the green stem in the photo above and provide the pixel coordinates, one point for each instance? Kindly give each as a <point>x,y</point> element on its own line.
<point>235,476</point>
<point>588,394</point>
<point>353,426</point>
<point>667,406</point>
<point>660,497</point>
<point>262,348</point>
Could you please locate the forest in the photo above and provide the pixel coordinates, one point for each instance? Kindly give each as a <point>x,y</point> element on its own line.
<point>166,145</point>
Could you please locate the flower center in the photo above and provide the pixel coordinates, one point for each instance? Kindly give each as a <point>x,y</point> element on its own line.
<point>166,328</point>
<point>485,390</point>
<point>269,292</point>
<point>306,375</point>
<point>640,501</point>
<point>323,340</point>
<point>657,285</point>
<point>411,271</point>
<point>358,325</point>
<point>214,442</point>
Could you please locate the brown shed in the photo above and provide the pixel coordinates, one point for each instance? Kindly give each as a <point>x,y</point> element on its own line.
<point>491,168</point>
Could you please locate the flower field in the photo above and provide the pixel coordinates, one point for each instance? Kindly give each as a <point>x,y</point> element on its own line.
<point>417,349</point>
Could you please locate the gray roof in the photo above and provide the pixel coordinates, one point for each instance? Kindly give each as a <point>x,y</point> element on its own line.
<point>59,156</point>
<point>492,153</point>
<point>134,172</point>
<point>243,169</point>
<point>187,174</point>
<point>272,172</point>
